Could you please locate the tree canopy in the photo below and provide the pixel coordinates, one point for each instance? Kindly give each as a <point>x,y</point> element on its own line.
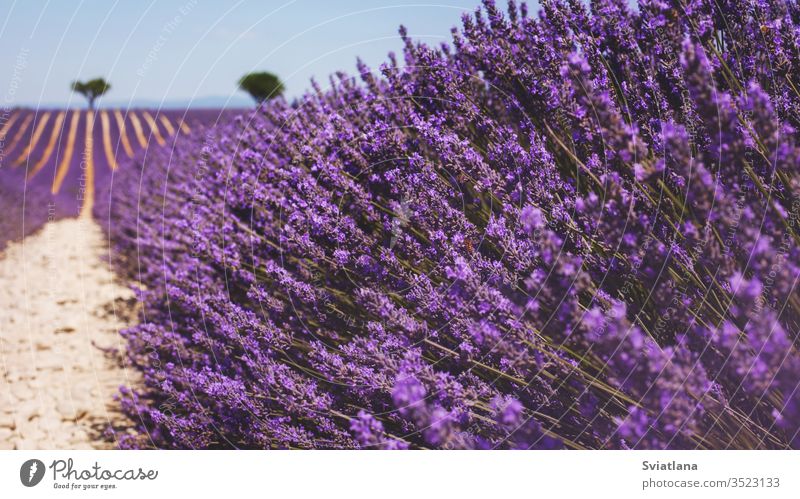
<point>262,86</point>
<point>91,89</point>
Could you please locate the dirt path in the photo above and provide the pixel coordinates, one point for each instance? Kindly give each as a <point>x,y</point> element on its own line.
<point>58,303</point>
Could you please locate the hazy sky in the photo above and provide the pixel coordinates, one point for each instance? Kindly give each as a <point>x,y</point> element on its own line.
<point>183,49</point>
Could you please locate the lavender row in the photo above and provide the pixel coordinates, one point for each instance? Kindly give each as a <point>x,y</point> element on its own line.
<point>576,229</point>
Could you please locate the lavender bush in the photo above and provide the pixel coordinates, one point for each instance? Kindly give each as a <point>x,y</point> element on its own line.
<point>572,230</point>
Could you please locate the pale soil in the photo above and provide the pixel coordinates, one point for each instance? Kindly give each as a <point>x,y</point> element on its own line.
<point>59,302</point>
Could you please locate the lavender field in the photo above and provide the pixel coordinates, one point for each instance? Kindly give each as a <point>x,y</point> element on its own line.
<point>53,161</point>
<point>574,228</point>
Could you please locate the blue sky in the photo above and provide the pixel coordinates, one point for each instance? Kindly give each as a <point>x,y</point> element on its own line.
<point>179,50</point>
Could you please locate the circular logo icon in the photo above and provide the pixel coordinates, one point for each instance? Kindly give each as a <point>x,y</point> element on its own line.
<point>31,472</point>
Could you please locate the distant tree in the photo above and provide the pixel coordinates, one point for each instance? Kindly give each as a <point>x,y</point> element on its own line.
<point>261,86</point>
<point>91,89</point>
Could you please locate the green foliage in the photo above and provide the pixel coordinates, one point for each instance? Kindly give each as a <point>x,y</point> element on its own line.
<point>91,89</point>
<point>261,86</point>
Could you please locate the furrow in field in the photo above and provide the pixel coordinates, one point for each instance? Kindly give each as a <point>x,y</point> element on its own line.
<point>51,144</point>
<point>184,127</point>
<point>63,166</point>
<point>37,134</point>
<point>87,187</point>
<point>137,127</point>
<point>126,145</point>
<point>20,132</point>
<point>112,161</point>
<point>167,125</point>
<point>7,127</point>
<point>151,122</point>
